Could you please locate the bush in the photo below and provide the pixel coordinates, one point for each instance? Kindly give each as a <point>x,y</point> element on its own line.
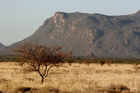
<point>9,58</point>
<point>118,89</point>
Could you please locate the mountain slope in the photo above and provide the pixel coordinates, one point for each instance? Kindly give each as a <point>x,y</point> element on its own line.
<point>4,50</point>
<point>91,34</point>
<point>1,45</point>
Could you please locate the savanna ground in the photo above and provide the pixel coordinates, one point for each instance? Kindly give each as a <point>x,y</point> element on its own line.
<point>74,78</point>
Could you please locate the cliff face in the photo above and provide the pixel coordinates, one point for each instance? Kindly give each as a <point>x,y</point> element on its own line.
<point>91,34</point>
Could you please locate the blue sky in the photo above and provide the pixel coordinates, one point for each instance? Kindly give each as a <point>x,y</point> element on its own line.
<point>21,18</point>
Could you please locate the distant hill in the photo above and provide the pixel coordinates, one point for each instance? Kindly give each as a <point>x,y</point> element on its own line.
<point>1,45</point>
<point>4,50</point>
<point>90,34</point>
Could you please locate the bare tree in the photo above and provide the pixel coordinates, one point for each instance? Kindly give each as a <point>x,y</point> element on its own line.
<point>41,58</point>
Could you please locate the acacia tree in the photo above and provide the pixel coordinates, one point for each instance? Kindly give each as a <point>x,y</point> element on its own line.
<point>41,58</point>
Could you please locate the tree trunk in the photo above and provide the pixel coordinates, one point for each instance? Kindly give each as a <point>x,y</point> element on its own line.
<point>42,80</point>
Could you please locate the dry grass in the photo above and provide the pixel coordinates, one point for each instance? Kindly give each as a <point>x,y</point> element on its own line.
<point>77,78</point>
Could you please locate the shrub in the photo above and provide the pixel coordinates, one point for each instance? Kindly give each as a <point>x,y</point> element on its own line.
<point>118,89</point>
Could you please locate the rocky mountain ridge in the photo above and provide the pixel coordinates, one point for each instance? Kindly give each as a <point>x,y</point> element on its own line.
<point>90,34</point>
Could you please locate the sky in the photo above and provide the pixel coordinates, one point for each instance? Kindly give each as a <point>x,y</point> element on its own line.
<point>21,18</point>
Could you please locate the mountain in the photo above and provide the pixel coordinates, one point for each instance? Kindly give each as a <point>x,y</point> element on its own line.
<point>4,50</point>
<point>90,34</point>
<point>1,45</point>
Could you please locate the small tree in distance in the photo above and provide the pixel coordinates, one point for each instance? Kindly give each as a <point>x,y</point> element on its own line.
<point>41,58</point>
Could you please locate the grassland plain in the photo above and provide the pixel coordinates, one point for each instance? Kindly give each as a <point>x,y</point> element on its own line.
<point>74,78</point>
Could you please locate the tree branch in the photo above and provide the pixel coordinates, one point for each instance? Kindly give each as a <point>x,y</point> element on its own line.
<point>48,71</point>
